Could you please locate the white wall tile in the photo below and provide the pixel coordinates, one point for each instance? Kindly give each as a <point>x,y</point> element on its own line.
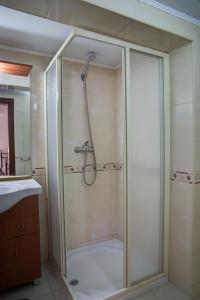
<point>197,119</point>
<point>96,213</point>
<point>182,154</point>
<point>181,75</point>
<point>183,119</point>
<point>181,199</point>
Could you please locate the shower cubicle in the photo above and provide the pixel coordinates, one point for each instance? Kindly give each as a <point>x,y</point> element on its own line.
<point>107,121</point>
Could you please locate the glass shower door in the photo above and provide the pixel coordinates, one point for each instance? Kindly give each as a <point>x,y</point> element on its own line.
<point>93,100</point>
<point>145,156</point>
<point>54,157</point>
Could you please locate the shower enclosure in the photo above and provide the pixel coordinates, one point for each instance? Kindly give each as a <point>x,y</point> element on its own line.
<point>107,121</point>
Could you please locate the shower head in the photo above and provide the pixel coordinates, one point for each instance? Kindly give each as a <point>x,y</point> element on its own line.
<point>91,56</point>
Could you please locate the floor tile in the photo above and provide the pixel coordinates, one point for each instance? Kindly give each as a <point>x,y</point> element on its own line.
<point>168,291</point>
<point>46,297</point>
<point>147,296</point>
<point>54,280</point>
<point>28,291</point>
<point>49,288</point>
<point>61,295</point>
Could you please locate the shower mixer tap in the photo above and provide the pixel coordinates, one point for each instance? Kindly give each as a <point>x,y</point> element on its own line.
<point>86,147</point>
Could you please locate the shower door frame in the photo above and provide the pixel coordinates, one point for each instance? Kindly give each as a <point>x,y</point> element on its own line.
<point>58,119</point>
<point>127,47</point>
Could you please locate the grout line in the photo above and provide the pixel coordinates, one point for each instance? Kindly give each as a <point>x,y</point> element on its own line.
<point>41,296</point>
<point>155,294</point>
<point>124,27</point>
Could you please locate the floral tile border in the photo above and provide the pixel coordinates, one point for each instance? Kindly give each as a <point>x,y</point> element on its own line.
<point>79,169</point>
<point>90,168</point>
<point>185,177</point>
<point>179,176</point>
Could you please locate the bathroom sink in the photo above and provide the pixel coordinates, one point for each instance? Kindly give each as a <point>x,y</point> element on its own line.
<point>12,192</point>
<point>4,189</point>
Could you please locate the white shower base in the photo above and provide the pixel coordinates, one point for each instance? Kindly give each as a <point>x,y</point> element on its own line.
<point>98,268</point>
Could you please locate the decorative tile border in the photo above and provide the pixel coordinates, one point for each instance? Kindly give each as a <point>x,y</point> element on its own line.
<point>79,169</point>
<point>22,159</point>
<point>185,177</point>
<point>39,172</point>
<point>179,176</point>
<point>90,168</point>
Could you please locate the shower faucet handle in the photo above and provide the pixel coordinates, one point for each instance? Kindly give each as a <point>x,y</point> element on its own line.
<point>86,147</point>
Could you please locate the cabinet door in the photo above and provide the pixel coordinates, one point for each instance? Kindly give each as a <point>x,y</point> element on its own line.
<point>22,226</point>
<point>2,255</point>
<point>27,207</point>
<point>22,260</point>
<point>14,254</point>
<point>2,264</point>
<point>30,262</point>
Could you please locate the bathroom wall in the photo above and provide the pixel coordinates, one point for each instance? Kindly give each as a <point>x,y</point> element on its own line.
<point>185,196</point>
<point>37,130</point>
<point>93,213</point>
<point>185,179</point>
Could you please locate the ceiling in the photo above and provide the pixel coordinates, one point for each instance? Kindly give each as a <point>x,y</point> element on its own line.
<point>188,7</point>
<point>106,54</point>
<point>36,34</point>
<point>28,32</point>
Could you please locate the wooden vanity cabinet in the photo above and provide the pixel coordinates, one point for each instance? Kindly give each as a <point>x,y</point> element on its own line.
<point>20,243</point>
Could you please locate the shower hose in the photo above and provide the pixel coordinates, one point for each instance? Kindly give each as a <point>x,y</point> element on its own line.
<point>87,143</point>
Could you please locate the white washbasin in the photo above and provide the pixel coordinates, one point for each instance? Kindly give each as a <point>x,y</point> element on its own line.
<point>4,189</point>
<point>12,192</point>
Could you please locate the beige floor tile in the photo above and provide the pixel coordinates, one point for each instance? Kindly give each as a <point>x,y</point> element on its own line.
<point>28,291</point>
<point>61,295</point>
<point>51,288</point>
<point>54,280</point>
<point>147,296</point>
<point>49,284</point>
<point>168,291</point>
<point>46,297</point>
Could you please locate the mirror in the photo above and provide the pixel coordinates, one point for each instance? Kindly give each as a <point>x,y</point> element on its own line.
<point>15,153</point>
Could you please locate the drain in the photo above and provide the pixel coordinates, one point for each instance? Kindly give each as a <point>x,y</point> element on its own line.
<point>74,282</point>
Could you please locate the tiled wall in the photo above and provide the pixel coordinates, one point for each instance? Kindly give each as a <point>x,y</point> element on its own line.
<point>185,177</point>
<point>37,130</point>
<point>93,214</point>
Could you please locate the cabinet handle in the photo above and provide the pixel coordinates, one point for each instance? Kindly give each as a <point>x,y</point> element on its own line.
<point>17,253</point>
<point>22,227</point>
